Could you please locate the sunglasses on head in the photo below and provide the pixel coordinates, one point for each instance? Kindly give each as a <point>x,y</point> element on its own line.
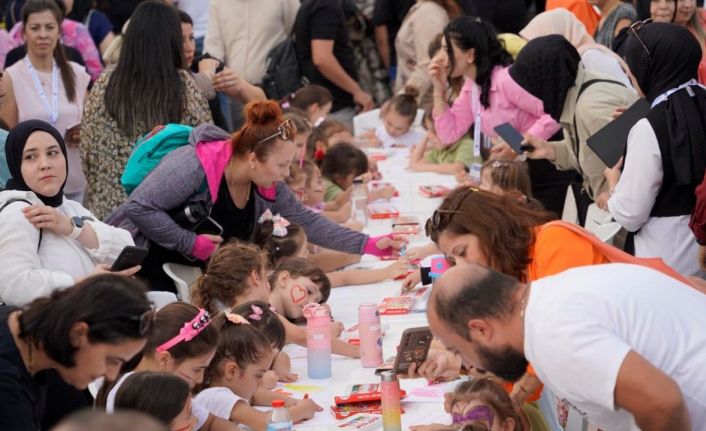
<point>634,28</point>
<point>285,132</point>
<point>439,217</point>
<point>144,320</point>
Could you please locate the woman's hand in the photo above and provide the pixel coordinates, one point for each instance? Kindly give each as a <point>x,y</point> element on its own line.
<point>46,217</point>
<point>228,82</point>
<point>411,280</point>
<point>540,149</point>
<point>394,241</point>
<point>208,67</point>
<point>438,74</point>
<point>612,175</point>
<point>102,269</point>
<point>73,136</point>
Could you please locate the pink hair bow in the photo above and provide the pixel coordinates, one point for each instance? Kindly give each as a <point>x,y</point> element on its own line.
<point>256,313</point>
<point>279,223</point>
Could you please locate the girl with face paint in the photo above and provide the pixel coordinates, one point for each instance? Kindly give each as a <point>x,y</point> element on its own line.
<point>49,242</point>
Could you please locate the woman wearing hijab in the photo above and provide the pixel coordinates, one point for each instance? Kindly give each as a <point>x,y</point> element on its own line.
<point>594,56</point>
<point>48,242</point>
<point>582,101</point>
<point>666,152</point>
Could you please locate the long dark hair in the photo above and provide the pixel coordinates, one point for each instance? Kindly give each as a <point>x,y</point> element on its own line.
<point>111,305</point>
<point>473,33</point>
<point>146,88</point>
<point>160,395</point>
<point>67,73</point>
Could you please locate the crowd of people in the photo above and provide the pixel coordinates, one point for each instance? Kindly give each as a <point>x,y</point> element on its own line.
<point>219,135</point>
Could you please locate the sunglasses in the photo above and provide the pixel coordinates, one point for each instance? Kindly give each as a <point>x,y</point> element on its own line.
<point>144,320</point>
<point>634,28</point>
<point>285,132</point>
<point>439,219</point>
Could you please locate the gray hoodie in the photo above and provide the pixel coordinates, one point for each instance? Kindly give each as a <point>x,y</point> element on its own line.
<point>179,179</point>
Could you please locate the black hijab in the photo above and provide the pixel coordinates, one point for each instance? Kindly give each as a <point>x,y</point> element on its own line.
<point>673,59</point>
<point>546,68</point>
<point>15,145</point>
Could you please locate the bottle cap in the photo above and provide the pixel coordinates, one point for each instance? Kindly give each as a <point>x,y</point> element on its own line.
<point>388,376</point>
<point>278,403</point>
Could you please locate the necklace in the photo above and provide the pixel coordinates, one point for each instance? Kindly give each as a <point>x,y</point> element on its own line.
<point>234,184</point>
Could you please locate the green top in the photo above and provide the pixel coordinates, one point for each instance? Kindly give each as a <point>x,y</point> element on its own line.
<point>461,151</point>
<point>331,190</point>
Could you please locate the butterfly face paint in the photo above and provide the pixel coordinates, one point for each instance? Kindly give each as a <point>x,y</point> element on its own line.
<point>481,413</point>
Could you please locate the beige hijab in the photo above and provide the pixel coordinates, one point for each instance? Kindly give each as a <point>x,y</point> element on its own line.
<point>561,21</point>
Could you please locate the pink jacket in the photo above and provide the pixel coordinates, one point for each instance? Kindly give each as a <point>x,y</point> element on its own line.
<point>509,103</point>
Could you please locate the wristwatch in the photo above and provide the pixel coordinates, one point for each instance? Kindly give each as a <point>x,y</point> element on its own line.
<point>78,227</point>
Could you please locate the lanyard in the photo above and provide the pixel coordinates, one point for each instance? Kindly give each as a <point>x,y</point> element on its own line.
<point>686,85</point>
<point>475,104</point>
<point>53,109</point>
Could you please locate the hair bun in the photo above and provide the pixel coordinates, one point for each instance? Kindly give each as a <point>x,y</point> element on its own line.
<point>412,91</point>
<point>262,112</point>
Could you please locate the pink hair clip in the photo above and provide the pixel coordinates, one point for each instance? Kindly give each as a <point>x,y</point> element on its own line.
<point>273,308</point>
<point>256,313</point>
<point>190,330</point>
<point>237,319</point>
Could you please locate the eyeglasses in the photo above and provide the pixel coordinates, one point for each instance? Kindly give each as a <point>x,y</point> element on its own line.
<point>144,320</point>
<point>435,222</point>
<point>634,28</point>
<point>285,131</point>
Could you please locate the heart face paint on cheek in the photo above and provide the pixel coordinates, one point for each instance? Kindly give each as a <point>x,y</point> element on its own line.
<point>298,294</point>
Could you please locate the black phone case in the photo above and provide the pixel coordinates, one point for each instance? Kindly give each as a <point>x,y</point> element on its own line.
<point>511,136</point>
<point>129,257</point>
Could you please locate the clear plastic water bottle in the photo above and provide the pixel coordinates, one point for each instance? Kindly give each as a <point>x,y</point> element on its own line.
<point>280,419</point>
<point>359,197</point>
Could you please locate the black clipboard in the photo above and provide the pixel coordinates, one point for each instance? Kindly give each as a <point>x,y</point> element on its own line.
<point>609,143</point>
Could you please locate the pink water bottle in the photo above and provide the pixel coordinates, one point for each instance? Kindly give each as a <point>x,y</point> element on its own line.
<point>390,395</point>
<point>318,341</point>
<point>370,335</point>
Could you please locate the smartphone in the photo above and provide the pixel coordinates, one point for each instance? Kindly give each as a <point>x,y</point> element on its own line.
<point>129,257</point>
<point>413,348</point>
<point>511,136</point>
<point>209,226</point>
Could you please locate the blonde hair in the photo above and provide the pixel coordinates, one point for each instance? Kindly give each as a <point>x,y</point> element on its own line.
<point>226,276</point>
<point>509,175</point>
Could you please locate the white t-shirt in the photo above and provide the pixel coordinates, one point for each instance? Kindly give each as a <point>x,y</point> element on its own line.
<point>219,401</point>
<point>199,412</point>
<point>412,137</point>
<point>580,325</point>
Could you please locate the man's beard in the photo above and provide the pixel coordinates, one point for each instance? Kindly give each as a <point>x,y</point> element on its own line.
<point>506,362</point>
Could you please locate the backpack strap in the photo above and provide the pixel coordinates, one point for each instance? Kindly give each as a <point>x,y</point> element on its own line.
<point>616,255</point>
<point>13,200</point>
<point>583,88</point>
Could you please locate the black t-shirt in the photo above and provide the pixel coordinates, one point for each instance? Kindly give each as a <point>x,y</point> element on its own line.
<point>325,19</point>
<point>237,223</point>
<point>390,13</point>
<point>22,397</point>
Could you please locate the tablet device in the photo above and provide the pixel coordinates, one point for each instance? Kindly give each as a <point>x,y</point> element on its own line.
<point>511,136</point>
<point>609,143</point>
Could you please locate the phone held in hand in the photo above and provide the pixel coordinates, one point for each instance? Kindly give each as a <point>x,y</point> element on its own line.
<point>512,137</point>
<point>413,349</point>
<point>129,257</point>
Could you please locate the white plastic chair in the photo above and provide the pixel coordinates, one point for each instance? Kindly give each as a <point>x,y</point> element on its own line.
<point>570,212</point>
<point>371,119</point>
<point>601,224</point>
<point>160,299</point>
<point>183,276</point>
